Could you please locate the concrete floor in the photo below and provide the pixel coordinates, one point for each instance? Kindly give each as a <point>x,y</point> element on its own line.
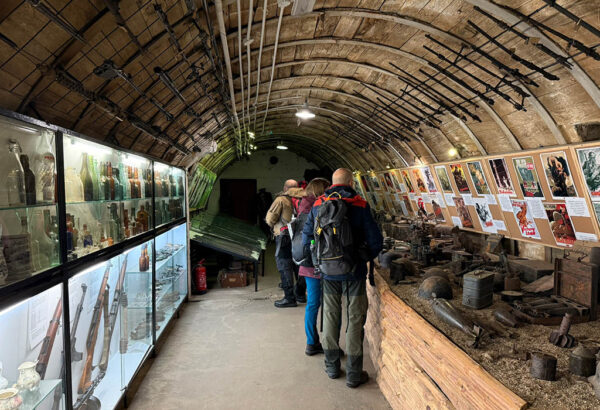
<point>233,350</point>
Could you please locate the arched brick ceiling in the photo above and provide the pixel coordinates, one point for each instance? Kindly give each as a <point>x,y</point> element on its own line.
<point>392,82</point>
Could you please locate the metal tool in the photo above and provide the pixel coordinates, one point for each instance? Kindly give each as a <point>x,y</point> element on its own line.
<point>561,336</point>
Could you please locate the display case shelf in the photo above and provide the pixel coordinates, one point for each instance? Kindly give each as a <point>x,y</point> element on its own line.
<point>108,201</point>
<point>35,400</point>
<point>38,205</point>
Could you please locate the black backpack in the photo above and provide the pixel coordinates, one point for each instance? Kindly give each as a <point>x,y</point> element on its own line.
<point>297,249</point>
<point>333,238</point>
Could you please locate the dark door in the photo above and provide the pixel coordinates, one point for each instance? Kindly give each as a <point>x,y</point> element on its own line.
<point>238,198</point>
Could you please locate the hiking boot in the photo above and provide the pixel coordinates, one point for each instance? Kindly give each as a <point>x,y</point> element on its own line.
<point>284,303</point>
<point>364,377</point>
<point>312,350</point>
<point>301,299</point>
<point>333,374</point>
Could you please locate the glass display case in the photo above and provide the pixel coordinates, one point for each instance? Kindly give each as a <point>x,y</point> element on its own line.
<point>169,188</point>
<point>171,274</point>
<point>108,195</point>
<point>28,210</point>
<point>31,358</point>
<point>112,305</point>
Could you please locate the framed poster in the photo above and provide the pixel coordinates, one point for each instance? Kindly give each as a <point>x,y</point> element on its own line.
<point>596,206</point>
<point>463,212</point>
<point>383,183</point>
<point>366,184</point>
<point>429,180</point>
<point>524,219</point>
<point>478,177</point>
<point>558,174</point>
<point>589,160</point>
<point>485,215</point>
<point>528,177</point>
<point>395,181</point>
<point>502,176</point>
<point>420,182</point>
<point>375,182</point>
<point>560,224</point>
<point>437,211</point>
<point>459,177</point>
<point>407,181</point>
<point>358,186</point>
<point>442,175</point>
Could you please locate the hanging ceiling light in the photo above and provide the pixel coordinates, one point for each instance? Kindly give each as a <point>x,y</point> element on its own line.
<point>281,146</point>
<point>305,113</point>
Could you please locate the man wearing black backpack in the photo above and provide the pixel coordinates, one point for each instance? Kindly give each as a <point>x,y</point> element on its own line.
<point>342,236</point>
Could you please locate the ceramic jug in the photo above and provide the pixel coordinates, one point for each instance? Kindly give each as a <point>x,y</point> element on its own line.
<point>29,379</point>
<point>3,381</point>
<point>10,399</point>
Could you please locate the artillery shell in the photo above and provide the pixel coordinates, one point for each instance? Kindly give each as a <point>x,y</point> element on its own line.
<point>505,317</point>
<point>543,366</point>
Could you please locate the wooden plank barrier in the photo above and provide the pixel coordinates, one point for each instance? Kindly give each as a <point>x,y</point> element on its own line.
<point>418,367</point>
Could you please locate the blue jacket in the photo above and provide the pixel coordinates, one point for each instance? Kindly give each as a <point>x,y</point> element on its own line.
<point>364,229</point>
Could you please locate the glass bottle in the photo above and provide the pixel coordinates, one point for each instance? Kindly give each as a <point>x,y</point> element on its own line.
<point>117,232</point>
<point>45,169</point>
<point>104,183</point>
<point>157,184</point>
<point>118,186</point>
<point>75,232</point>
<point>94,175</point>
<point>172,185</point>
<point>87,237</point>
<point>180,187</point>
<point>123,180</point>
<point>157,214</point>
<point>43,244</point>
<point>148,185</point>
<point>138,184</point>
<point>15,178</point>
<point>142,262</point>
<point>130,182</point>
<point>87,179</point>
<point>126,223</point>
<point>165,186</point>
<point>55,258</point>
<point>69,233</point>
<point>29,178</point>
<point>111,181</point>
<point>74,191</point>
<point>142,217</point>
<point>97,182</point>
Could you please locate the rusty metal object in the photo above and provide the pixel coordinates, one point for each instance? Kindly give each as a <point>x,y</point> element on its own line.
<point>452,316</point>
<point>435,272</point>
<point>435,287</point>
<point>512,283</point>
<point>543,366</point>
<point>511,295</point>
<point>505,317</point>
<point>561,337</point>
<point>582,362</point>
<point>578,282</point>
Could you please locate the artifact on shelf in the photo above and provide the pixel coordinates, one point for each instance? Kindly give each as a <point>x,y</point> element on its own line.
<point>447,313</point>
<point>17,252</point>
<point>14,183</point>
<point>478,289</point>
<point>10,399</point>
<point>29,379</point>
<point>582,361</point>
<point>543,366</point>
<point>44,167</point>
<point>561,337</point>
<point>29,179</point>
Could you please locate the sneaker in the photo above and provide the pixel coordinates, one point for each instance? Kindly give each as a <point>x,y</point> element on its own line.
<point>364,377</point>
<point>312,350</point>
<point>284,303</point>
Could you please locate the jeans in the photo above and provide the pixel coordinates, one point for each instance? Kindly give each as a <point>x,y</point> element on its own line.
<point>355,295</point>
<point>313,302</point>
<point>285,265</point>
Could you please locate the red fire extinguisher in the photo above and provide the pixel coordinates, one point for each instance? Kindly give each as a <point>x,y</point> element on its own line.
<point>200,277</point>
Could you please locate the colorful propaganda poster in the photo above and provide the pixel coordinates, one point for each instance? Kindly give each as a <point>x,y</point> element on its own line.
<point>560,224</point>
<point>596,206</point>
<point>407,204</point>
<point>502,176</point>
<point>442,175</point>
<point>558,174</point>
<point>375,182</point>
<point>429,180</point>
<point>528,177</point>
<point>459,177</point>
<point>524,219</point>
<point>420,181</point>
<point>589,160</point>
<point>381,180</point>
<point>407,181</point>
<point>463,212</point>
<point>437,211</point>
<point>395,181</point>
<point>389,182</point>
<point>358,186</point>
<point>366,184</point>
<point>478,177</point>
<point>484,214</point>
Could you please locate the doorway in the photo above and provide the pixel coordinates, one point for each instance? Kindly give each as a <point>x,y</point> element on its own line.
<point>238,199</point>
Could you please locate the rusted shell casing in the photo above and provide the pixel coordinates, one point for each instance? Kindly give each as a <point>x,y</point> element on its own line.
<point>505,317</point>
<point>435,272</point>
<point>513,283</point>
<point>582,362</point>
<point>437,286</point>
<point>543,366</point>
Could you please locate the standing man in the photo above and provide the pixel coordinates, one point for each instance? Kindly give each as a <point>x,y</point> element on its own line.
<point>279,215</point>
<point>367,242</point>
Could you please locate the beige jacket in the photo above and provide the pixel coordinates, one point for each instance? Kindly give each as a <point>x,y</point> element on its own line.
<point>281,210</point>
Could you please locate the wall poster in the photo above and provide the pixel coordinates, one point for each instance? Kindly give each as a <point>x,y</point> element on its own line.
<point>374,182</point>
<point>502,176</point>
<point>463,212</point>
<point>560,224</point>
<point>524,219</point>
<point>589,160</point>
<point>395,182</point>
<point>476,171</point>
<point>558,174</point>
<point>429,180</point>
<point>459,177</point>
<point>596,206</point>
<point>528,177</point>
<point>485,215</point>
<point>407,181</point>
<point>442,175</point>
<point>420,183</point>
<point>437,211</point>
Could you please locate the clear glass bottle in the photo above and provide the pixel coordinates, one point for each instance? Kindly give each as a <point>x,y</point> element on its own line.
<point>74,191</point>
<point>15,178</point>
<point>41,243</point>
<point>117,181</point>
<point>55,259</point>
<point>123,180</point>
<point>87,180</point>
<point>96,170</point>
<point>111,181</point>
<point>29,178</point>
<point>45,169</point>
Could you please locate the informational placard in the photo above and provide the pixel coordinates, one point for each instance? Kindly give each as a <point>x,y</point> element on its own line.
<point>490,199</point>
<point>468,198</point>
<point>536,207</point>
<point>449,200</point>
<point>577,207</point>
<point>456,221</point>
<point>439,197</point>
<point>500,225</point>
<point>505,204</point>
<point>582,236</point>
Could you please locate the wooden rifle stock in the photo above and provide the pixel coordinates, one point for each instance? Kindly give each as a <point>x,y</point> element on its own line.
<point>85,381</point>
<point>111,320</point>
<point>44,356</point>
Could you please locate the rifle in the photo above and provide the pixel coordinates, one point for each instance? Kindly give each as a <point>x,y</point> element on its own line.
<point>48,343</point>
<point>101,304</point>
<point>75,355</point>
<point>118,297</point>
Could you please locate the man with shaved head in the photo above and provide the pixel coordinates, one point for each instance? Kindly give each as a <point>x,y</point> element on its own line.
<point>366,243</point>
<point>279,215</point>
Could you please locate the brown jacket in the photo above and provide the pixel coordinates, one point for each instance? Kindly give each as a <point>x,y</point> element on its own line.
<point>281,210</point>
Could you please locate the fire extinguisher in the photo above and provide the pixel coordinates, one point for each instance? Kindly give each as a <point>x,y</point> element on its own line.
<point>200,277</point>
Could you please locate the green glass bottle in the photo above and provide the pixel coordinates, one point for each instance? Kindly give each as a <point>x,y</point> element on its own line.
<point>94,175</point>
<point>86,179</point>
